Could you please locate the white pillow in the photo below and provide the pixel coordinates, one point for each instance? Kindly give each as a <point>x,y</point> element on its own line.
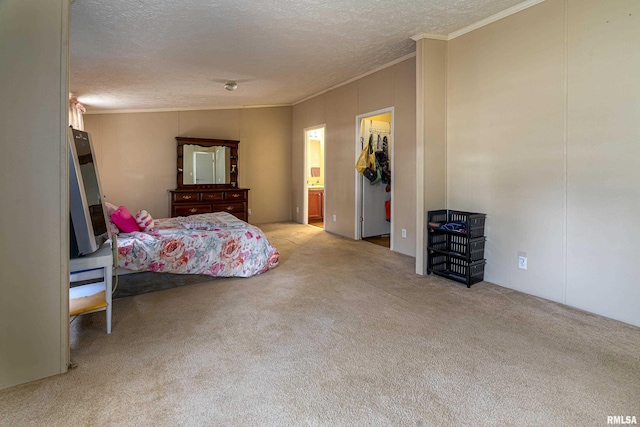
<point>144,220</point>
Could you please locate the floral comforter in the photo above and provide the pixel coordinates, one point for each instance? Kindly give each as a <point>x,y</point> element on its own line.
<point>215,244</point>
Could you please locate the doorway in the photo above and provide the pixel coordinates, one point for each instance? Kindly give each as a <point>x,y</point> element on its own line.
<point>314,174</point>
<point>203,165</point>
<point>374,198</point>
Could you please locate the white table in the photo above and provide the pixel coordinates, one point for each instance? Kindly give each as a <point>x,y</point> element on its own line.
<point>97,265</point>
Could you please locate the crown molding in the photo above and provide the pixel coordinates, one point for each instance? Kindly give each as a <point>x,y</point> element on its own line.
<point>493,18</point>
<point>430,36</point>
<point>177,110</point>
<point>368,73</point>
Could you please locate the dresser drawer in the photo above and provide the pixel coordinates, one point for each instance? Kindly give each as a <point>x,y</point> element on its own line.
<point>235,195</point>
<point>185,202</point>
<point>212,197</point>
<point>186,210</point>
<point>240,215</point>
<point>185,197</point>
<point>231,207</point>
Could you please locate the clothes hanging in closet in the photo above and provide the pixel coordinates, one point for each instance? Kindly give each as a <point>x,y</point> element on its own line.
<point>382,158</point>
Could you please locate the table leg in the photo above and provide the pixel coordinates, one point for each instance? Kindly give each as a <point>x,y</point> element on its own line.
<point>108,272</point>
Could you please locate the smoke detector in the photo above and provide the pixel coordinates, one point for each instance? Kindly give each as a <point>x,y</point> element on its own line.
<point>231,86</point>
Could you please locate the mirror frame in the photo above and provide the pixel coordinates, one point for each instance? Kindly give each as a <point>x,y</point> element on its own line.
<point>207,142</point>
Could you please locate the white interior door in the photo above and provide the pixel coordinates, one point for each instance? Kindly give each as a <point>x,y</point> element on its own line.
<point>374,222</point>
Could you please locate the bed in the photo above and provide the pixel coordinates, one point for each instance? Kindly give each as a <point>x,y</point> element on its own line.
<point>213,244</point>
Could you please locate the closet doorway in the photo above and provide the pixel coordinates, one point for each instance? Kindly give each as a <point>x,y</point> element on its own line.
<point>374,200</point>
<point>314,172</point>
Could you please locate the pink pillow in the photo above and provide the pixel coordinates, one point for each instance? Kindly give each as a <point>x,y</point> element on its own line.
<point>123,219</point>
<point>144,221</point>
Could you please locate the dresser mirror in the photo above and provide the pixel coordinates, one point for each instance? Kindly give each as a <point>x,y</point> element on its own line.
<point>207,163</point>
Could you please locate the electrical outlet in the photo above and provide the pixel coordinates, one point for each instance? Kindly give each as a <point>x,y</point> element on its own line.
<point>249,212</point>
<point>404,232</point>
<point>334,218</point>
<point>522,260</point>
<point>297,209</point>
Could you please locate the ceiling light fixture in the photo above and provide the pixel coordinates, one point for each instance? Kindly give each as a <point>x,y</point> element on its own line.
<point>231,86</point>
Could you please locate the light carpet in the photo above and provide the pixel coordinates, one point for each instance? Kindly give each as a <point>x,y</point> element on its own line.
<point>341,333</point>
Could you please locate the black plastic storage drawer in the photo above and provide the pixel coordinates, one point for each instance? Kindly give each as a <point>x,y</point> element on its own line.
<point>474,221</point>
<point>457,269</point>
<point>458,245</point>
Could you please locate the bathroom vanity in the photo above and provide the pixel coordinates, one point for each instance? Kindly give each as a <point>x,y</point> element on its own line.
<point>316,203</point>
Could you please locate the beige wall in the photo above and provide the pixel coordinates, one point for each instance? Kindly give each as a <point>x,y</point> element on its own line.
<point>603,162</point>
<point>339,143</point>
<point>404,206</point>
<point>137,155</point>
<point>34,249</point>
<point>431,141</point>
<point>337,109</point>
<point>265,164</point>
<point>542,121</point>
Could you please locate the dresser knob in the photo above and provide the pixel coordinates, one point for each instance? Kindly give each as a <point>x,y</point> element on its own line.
<point>193,210</point>
<point>186,197</point>
<point>229,208</point>
<point>236,195</point>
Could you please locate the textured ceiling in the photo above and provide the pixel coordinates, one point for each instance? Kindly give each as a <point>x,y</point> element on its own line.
<point>168,54</point>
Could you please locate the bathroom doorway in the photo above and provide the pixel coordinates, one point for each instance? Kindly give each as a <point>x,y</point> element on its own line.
<point>374,198</point>
<point>314,176</point>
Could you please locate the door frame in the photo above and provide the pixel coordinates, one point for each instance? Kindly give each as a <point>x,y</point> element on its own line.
<point>305,185</point>
<point>65,333</point>
<point>195,165</point>
<point>359,178</point>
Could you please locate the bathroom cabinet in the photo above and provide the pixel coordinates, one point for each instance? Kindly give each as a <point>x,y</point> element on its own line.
<point>316,204</point>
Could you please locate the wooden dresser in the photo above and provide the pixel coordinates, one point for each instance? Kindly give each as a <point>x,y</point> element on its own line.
<point>190,202</point>
<point>207,179</point>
